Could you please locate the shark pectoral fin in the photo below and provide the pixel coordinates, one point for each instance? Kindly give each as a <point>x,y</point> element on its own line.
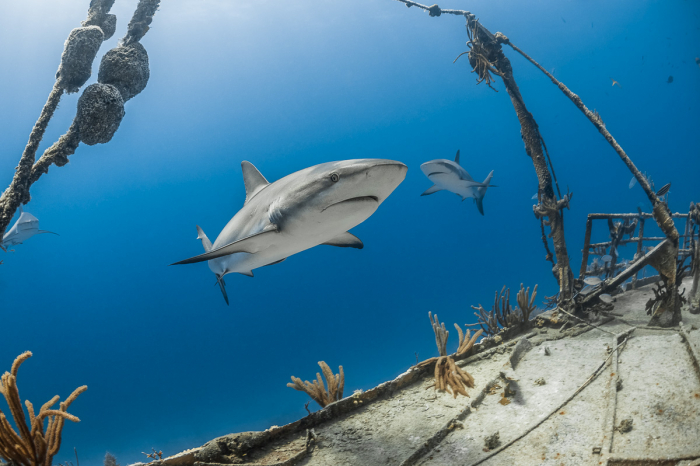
<point>250,244</point>
<point>346,240</point>
<point>480,205</point>
<point>275,262</point>
<point>433,189</point>
<point>248,273</point>
<point>46,231</point>
<point>205,241</point>
<point>252,179</point>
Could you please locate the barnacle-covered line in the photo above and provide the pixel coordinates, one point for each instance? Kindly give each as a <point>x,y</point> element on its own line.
<point>19,186</point>
<point>116,85</point>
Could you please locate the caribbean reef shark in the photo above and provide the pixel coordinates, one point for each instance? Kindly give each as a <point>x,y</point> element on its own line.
<point>24,228</point>
<point>317,205</point>
<point>450,176</point>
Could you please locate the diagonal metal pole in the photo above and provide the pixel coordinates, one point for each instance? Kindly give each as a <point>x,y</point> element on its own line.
<point>549,206</point>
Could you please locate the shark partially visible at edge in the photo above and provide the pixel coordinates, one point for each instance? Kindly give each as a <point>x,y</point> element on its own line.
<point>24,228</point>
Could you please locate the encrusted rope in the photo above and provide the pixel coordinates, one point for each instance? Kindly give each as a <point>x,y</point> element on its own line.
<point>27,171</point>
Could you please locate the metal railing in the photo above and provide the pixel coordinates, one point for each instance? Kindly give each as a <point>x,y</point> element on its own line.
<point>625,225</point>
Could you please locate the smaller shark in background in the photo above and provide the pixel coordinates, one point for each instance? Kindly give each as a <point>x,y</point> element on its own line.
<point>450,176</point>
<point>24,228</point>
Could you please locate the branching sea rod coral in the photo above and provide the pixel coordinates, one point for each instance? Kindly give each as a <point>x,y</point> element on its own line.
<point>317,391</point>
<point>447,373</point>
<point>123,74</point>
<point>526,304</point>
<point>501,312</point>
<point>465,342</point>
<point>441,334</point>
<point>32,446</point>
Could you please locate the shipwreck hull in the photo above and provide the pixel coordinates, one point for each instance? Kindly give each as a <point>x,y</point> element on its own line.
<point>639,405</point>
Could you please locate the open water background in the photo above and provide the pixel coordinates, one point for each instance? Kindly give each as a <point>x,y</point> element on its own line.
<point>287,85</point>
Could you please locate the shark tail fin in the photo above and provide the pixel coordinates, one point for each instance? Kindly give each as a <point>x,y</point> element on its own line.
<point>480,204</point>
<point>205,242</point>
<point>482,192</point>
<point>222,285</point>
<point>431,190</point>
<point>488,180</point>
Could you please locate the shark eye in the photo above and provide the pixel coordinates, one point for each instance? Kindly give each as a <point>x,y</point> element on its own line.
<point>334,177</point>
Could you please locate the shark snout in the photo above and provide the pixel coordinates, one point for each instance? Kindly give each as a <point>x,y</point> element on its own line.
<point>384,176</point>
<point>361,186</point>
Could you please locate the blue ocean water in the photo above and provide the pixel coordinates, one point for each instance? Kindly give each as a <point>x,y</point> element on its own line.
<point>286,85</point>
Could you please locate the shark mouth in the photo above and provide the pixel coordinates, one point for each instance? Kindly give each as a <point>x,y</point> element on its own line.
<point>374,199</point>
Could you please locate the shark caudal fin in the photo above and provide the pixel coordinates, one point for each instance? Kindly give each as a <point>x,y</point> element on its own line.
<point>479,199</point>
<point>208,247</point>
<point>487,181</point>
<point>222,285</point>
<point>480,204</point>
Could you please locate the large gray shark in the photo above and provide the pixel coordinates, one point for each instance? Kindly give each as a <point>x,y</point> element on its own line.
<point>24,228</point>
<point>317,205</point>
<point>450,176</point>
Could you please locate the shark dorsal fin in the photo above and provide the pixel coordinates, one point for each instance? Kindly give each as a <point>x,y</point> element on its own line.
<point>457,157</point>
<point>253,180</point>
